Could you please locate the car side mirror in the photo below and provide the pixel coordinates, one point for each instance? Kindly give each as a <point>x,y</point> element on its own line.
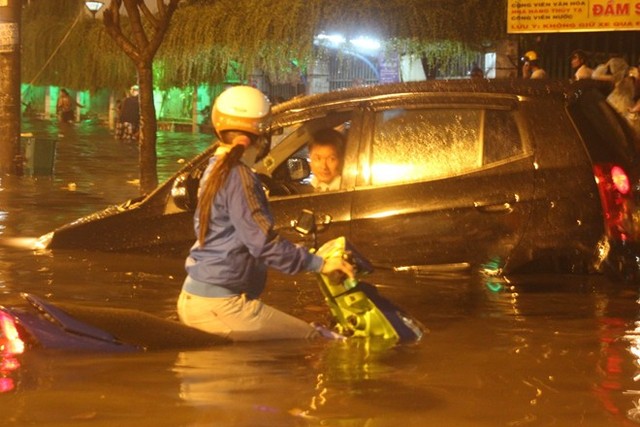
<point>298,168</point>
<point>184,192</point>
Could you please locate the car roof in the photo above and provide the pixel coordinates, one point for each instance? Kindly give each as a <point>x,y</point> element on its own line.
<point>516,87</point>
<point>485,91</point>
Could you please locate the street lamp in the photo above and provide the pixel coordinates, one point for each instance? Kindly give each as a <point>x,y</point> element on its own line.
<point>94,7</point>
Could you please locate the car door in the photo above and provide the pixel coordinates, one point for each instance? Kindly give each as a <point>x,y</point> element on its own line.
<point>445,182</point>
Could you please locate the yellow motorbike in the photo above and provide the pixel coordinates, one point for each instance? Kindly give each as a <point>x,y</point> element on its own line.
<point>356,306</point>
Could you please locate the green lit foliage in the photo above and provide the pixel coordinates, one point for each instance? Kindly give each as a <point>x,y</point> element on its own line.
<point>207,36</point>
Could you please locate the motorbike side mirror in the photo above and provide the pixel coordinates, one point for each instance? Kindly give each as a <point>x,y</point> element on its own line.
<point>305,224</point>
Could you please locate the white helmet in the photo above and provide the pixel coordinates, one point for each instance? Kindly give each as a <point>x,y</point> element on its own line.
<point>242,108</point>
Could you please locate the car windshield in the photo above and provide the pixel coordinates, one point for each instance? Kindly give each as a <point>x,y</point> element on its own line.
<point>289,145</point>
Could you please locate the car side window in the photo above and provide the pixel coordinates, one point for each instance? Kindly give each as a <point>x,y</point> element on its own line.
<point>415,145</point>
<point>427,144</point>
<point>501,138</point>
<point>315,159</point>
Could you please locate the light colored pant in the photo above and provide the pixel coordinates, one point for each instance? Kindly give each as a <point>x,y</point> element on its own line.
<point>240,318</point>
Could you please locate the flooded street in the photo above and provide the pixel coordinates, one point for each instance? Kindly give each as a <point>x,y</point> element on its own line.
<point>544,351</point>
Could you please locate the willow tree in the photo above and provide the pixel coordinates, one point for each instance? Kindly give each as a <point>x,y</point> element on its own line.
<point>207,37</point>
<point>140,43</point>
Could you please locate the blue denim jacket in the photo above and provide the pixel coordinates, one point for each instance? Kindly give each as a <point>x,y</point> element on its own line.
<point>241,242</point>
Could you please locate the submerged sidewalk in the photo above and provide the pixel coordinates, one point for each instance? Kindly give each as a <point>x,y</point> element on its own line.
<point>91,170</point>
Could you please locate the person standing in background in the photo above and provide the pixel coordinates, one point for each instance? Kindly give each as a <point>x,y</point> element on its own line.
<point>601,70</point>
<point>531,67</point>
<point>128,126</point>
<point>579,65</point>
<point>65,107</point>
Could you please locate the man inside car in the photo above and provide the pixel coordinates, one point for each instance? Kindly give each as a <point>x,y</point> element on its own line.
<point>326,153</point>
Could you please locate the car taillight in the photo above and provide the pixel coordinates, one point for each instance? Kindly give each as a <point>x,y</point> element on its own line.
<point>10,341</point>
<point>620,180</point>
<point>617,200</point>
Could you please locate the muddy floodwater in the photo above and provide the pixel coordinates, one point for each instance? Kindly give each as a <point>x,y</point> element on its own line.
<point>537,351</point>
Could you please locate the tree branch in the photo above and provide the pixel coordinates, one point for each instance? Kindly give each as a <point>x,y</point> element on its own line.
<point>163,26</point>
<point>114,11</point>
<point>137,29</point>
<point>149,16</point>
<point>111,20</point>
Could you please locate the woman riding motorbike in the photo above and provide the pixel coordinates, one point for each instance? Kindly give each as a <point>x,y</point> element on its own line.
<point>227,265</point>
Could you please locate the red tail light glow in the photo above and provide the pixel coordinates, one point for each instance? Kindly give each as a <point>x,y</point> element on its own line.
<point>7,384</point>
<point>617,201</point>
<point>620,180</point>
<point>10,341</point>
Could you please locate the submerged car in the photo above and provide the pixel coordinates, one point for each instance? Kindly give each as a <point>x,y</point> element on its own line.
<point>501,176</point>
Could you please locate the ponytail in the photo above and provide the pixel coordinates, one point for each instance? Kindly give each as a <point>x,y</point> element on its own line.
<point>217,177</point>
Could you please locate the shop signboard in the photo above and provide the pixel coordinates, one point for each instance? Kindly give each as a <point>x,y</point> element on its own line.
<point>389,68</point>
<point>556,16</point>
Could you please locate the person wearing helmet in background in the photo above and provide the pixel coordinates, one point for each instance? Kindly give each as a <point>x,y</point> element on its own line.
<point>227,265</point>
<point>531,68</point>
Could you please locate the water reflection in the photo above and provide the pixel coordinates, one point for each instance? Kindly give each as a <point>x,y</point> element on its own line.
<point>336,383</point>
<point>632,336</point>
<point>523,356</point>
<point>609,305</point>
